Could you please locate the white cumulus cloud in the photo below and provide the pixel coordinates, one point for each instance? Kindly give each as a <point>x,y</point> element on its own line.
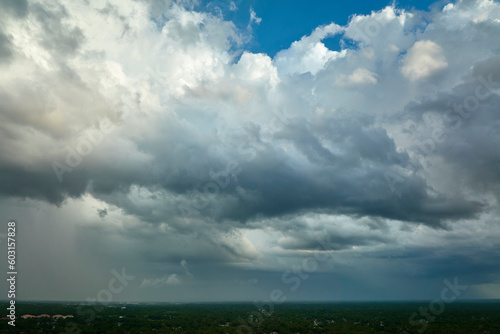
<point>423,59</point>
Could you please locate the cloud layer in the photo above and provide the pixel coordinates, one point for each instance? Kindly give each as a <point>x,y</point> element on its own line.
<point>165,132</point>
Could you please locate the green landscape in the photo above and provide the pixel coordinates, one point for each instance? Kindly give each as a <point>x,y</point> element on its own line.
<point>358,318</point>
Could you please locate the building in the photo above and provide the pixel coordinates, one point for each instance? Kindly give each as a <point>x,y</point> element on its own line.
<point>27,316</point>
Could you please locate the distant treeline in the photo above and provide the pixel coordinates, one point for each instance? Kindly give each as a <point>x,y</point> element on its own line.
<point>303,318</point>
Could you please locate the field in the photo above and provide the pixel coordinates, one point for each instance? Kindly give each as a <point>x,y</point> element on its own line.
<point>370,317</point>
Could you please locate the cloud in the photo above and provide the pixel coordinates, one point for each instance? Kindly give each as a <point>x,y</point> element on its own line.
<point>423,59</point>
<point>5,47</point>
<point>360,76</point>
<point>156,283</point>
<point>253,16</point>
<point>14,7</point>
<point>308,54</point>
<point>333,233</point>
<point>102,212</point>
<point>218,109</point>
<point>186,269</point>
<point>249,282</point>
<point>466,122</point>
<point>227,159</point>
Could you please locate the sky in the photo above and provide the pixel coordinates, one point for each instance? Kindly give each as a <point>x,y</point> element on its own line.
<point>222,151</point>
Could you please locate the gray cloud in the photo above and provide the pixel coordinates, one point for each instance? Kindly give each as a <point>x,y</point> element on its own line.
<point>18,8</point>
<point>57,37</point>
<point>5,47</point>
<point>102,212</point>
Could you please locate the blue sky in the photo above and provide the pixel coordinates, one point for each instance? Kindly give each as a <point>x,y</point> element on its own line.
<point>284,22</point>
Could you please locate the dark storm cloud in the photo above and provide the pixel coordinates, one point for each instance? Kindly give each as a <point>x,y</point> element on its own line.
<point>102,212</point>
<point>303,241</point>
<point>39,184</point>
<point>469,261</point>
<point>466,133</point>
<point>352,181</point>
<point>338,164</point>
